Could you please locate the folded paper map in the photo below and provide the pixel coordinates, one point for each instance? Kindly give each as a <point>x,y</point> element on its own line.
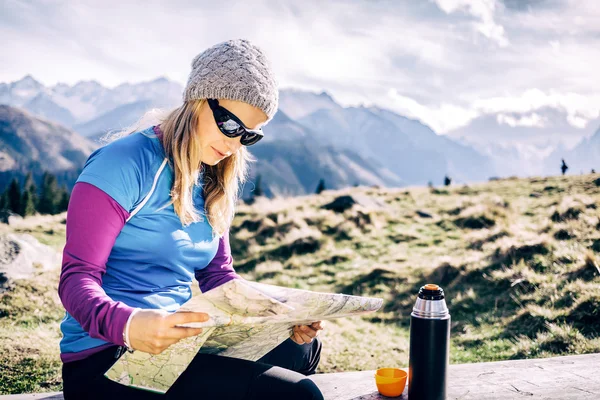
<point>247,320</point>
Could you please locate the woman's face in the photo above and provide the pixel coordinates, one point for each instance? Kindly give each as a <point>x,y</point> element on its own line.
<point>213,141</point>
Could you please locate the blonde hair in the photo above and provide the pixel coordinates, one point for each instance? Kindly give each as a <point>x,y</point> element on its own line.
<point>221,186</point>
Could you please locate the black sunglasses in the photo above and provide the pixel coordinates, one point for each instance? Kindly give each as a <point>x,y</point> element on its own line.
<point>231,126</point>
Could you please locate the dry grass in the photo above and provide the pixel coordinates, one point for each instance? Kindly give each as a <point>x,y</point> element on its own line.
<point>518,258</point>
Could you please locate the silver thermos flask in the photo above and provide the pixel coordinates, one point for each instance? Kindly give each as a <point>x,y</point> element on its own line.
<point>429,345</point>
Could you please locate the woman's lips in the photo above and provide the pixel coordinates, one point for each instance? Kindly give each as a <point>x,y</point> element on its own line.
<point>218,152</point>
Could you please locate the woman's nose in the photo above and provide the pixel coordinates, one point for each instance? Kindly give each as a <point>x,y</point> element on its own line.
<point>234,143</point>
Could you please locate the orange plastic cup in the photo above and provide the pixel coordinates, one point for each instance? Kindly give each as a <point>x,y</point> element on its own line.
<point>390,381</point>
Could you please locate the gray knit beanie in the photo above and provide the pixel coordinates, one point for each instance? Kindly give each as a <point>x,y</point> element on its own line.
<point>234,70</point>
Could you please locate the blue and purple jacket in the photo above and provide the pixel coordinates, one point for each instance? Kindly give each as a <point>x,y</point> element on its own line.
<point>124,250</point>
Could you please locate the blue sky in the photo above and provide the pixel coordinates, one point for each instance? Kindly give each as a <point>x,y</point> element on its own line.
<point>442,61</point>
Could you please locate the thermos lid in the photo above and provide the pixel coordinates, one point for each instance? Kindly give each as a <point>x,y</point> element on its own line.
<point>431,291</point>
<point>430,303</point>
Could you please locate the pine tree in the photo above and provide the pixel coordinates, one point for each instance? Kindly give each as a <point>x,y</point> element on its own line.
<point>27,206</point>
<point>14,196</point>
<point>320,186</point>
<point>50,196</point>
<point>4,203</point>
<point>32,189</point>
<point>64,199</point>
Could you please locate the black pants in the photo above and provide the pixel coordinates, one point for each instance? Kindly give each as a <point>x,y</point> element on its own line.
<point>280,374</point>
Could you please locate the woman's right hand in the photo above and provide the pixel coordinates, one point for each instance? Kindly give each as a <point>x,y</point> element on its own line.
<point>152,331</point>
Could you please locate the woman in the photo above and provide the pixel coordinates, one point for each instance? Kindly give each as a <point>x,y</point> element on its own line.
<point>150,211</point>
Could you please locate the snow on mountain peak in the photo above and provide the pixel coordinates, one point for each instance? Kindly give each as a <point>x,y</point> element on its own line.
<point>87,99</point>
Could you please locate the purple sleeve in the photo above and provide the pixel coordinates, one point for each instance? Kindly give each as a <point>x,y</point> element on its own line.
<point>94,220</point>
<point>220,269</point>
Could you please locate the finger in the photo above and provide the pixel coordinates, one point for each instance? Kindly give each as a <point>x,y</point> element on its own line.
<point>296,338</point>
<point>312,327</point>
<point>297,328</point>
<point>305,337</point>
<point>183,317</point>
<point>317,325</point>
<point>181,333</point>
<point>307,330</point>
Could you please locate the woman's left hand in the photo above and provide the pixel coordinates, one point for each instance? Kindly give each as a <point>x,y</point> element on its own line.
<point>302,334</point>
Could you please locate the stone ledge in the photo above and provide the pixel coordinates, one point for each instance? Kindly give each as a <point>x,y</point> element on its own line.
<point>569,377</point>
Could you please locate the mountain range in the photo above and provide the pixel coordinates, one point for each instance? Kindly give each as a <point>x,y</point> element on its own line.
<point>312,137</point>
<point>88,107</point>
<point>529,142</point>
<point>29,143</point>
<point>581,159</point>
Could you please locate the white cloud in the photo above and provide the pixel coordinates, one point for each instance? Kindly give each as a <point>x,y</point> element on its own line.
<point>442,118</point>
<point>533,120</point>
<point>580,109</point>
<point>513,111</point>
<point>444,62</point>
<point>577,121</point>
<point>483,10</point>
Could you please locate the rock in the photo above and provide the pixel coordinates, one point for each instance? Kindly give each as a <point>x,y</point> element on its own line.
<point>480,221</point>
<point>299,246</point>
<point>361,219</point>
<point>340,204</point>
<point>14,219</point>
<point>423,214</point>
<point>563,234</point>
<point>570,214</point>
<point>252,225</point>
<point>9,217</point>
<point>346,202</point>
<point>21,255</point>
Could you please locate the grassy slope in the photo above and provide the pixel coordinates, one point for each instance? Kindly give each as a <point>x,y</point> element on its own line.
<point>518,259</point>
<point>30,313</point>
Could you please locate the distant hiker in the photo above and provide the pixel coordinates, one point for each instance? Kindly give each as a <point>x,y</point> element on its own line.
<point>593,171</point>
<point>564,167</point>
<point>320,186</point>
<point>447,180</point>
<point>152,210</point>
